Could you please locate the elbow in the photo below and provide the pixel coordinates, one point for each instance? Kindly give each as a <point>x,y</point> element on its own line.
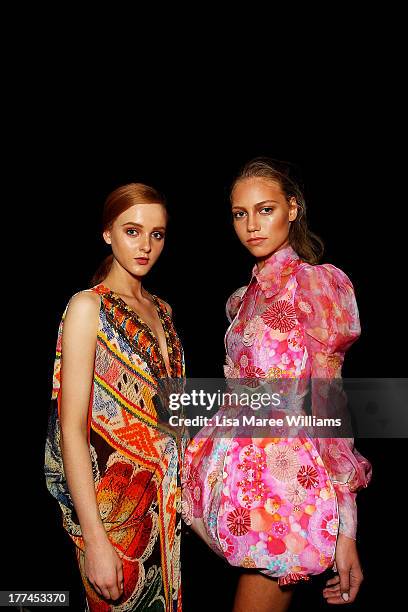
<point>73,432</point>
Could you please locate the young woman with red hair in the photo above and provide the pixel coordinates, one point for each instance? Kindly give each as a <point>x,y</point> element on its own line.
<point>110,460</point>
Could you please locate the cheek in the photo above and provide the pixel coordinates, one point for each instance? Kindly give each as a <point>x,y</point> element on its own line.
<point>274,222</point>
<point>128,243</point>
<point>157,247</point>
<point>124,245</point>
<point>240,229</point>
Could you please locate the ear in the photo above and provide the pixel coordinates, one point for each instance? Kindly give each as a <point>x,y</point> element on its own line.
<point>107,237</point>
<point>293,208</point>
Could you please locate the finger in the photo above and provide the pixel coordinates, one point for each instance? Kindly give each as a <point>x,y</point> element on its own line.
<point>119,578</point>
<point>336,601</point>
<point>97,589</point>
<point>114,591</point>
<point>331,592</point>
<point>334,587</point>
<point>332,595</point>
<point>334,598</point>
<point>105,592</point>
<point>335,591</point>
<point>335,580</point>
<point>354,588</point>
<point>345,584</point>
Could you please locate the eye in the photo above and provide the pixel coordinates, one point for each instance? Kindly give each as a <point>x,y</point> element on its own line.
<point>238,214</point>
<point>269,209</point>
<point>158,235</point>
<point>131,229</point>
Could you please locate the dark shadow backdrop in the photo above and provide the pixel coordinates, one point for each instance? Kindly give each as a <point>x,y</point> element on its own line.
<point>349,190</point>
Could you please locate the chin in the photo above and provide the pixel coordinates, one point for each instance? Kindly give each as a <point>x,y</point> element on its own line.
<point>138,270</point>
<point>260,251</point>
<point>142,270</point>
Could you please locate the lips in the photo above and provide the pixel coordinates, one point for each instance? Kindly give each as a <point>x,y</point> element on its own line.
<point>142,260</point>
<point>255,240</point>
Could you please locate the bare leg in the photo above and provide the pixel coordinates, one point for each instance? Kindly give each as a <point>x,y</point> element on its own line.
<point>257,593</point>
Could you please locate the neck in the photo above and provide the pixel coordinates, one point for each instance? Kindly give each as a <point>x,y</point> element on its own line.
<point>123,283</point>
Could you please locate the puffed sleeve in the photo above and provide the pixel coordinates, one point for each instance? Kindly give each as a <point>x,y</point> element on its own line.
<point>234,302</point>
<point>326,307</point>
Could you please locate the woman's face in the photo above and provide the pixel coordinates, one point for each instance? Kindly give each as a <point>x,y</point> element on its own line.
<point>262,215</point>
<point>137,237</point>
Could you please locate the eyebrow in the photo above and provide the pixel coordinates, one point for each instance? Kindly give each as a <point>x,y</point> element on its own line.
<point>257,204</point>
<point>160,227</point>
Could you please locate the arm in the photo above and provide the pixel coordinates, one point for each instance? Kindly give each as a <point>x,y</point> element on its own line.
<point>77,367</point>
<point>326,305</point>
<point>78,350</point>
<point>332,450</point>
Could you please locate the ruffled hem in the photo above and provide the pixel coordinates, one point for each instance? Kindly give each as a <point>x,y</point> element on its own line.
<point>292,578</point>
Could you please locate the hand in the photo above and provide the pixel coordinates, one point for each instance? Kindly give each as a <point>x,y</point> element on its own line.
<point>103,568</point>
<point>344,587</point>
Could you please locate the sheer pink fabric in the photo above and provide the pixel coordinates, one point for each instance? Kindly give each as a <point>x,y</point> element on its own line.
<point>326,308</point>
<point>279,503</point>
<point>296,319</point>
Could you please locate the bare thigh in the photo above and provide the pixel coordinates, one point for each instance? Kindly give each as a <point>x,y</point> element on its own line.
<point>257,593</point>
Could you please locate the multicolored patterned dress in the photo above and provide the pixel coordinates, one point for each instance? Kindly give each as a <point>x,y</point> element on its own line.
<point>278,503</point>
<point>136,458</point>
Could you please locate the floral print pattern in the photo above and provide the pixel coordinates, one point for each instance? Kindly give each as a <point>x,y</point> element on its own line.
<point>278,504</point>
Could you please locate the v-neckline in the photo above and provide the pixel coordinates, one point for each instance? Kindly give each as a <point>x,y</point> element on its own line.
<point>156,341</point>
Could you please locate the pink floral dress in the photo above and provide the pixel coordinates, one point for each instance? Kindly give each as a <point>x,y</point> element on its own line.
<point>278,504</point>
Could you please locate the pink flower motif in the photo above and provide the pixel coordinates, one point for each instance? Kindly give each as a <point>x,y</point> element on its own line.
<point>244,360</point>
<point>296,493</point>
<point>227,544</point>
<point>230,370</point>
<point>323,527</point>
<point>294,340</point>
<point>192,478</point>
<point>239,521</point>
<point>308,476</point>
<point>254,372</point>
<point>305,306</point>
<point>279,529</point>
<point>252,487</point>
<point>251,330</point>
<point>282,461</point>
<point>281,315</point>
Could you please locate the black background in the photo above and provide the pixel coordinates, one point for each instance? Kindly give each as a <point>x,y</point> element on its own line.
<point>66,168</point>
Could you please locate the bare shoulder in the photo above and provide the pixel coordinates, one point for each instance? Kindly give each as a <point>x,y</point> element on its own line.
<point>84,301</point>
<point>82,309</point>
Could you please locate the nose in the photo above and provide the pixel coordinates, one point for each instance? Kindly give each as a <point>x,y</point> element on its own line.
<point>252,223</point>
<point>145,245</point>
